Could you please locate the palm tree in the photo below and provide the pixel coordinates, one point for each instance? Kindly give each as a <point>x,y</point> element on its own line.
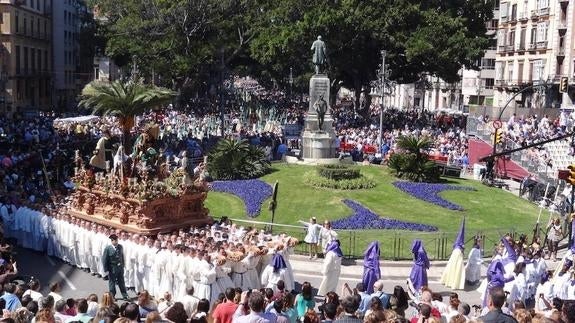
<point>412,160</point>
<point>124,101</point>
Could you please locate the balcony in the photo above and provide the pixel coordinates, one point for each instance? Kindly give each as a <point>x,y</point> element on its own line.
<point>501,48</point>
<point>510,48</point>
<point>563,1</point>
<point>520,47</point>
<point>503,20</point>
<point>524,16</point>
<point>542,45</point>
<point>499,83</point>
<point>534,14</point>
<point>561,52</point>
<point>562,26</point>
<point>531,46</point>
<point>544,11</point>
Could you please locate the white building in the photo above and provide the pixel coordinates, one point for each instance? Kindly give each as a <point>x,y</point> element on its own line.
<point>535,44</point>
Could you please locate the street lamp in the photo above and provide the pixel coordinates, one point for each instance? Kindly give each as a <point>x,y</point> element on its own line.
<point>380,135</point>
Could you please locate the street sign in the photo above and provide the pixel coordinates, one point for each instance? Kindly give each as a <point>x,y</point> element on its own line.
<point>497,124</point>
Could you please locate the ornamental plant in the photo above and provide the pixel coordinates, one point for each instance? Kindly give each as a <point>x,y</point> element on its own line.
<point>252,191</point>
<point>233,160</point>
<point>430,192</point>
<point>410,161</point>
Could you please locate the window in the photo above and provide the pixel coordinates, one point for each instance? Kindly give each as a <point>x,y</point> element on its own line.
<point>503,10</point>
<point>502,37</point>
<point>46,29</point>
<point>514,12</point>
<point>511,41</point>
<point>510,71</point>
<point>17,22</point>
<point>489,83</point>
<point>539,69</point>
<point>542,4</point>
<point>533,36</point>
<point>46,66</point>
<point>39,60</point>
<point>33,59</point>
<point>522,38</point>
<point>542,32</point>
<point>26,60</point>
<point>520,73</point>
<point>65,17</point>
<point>25,26</point>
<point>499,67</point>
<point>488,63</point>
<point>17,59</point>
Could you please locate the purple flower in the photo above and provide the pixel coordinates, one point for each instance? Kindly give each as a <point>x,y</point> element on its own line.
<point>252,191</point>
<point>430,192</point>
<point>364,218</point>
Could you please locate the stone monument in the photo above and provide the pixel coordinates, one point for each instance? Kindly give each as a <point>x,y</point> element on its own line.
<point>318,136</point>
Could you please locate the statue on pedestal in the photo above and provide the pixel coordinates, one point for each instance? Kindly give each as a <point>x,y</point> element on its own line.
<point>319,54</point>
<point>320,107</point>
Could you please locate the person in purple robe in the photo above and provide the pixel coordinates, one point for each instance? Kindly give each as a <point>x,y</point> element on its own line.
<point>495,278</point>
<point>371,270</point>
<point>418,275</point>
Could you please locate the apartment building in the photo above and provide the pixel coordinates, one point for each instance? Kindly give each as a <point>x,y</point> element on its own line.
<point>26,33</point>
<point>534,46</point>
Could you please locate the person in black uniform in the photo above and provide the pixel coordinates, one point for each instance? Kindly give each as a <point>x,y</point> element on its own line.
<point>113,259</point>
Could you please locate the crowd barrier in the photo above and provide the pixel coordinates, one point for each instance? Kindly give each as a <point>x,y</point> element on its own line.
<point>395,244</point>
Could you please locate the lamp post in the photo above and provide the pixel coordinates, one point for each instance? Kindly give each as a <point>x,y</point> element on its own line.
<point>380,135</point>
<point>290,83</point>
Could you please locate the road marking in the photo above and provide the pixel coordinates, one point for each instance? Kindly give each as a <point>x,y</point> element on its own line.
<point>69,282</point>
<point>50,260</point>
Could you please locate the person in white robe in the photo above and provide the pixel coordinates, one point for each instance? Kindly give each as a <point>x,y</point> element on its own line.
<point>327,235</point>
<point>274,272</point>
<point>286,250</point>
<point>517,288</point>
<point>178,270</point>
<point>130,256</point>
<point>189,271</point>
<point>223,279</point>
<point>331,268</point>
<point>544,294</point>
<point>454,274</point>
<point>140,251</point>
<point>151,277</point>
<point>239,277</point>
<point>253,259</point>
<point>205,286</point>
<point>7,213</point>
<point>473,266</point>
<point>562,280</point>
<point>164,265</point>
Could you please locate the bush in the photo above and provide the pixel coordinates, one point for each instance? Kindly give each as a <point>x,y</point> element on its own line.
<point>231,160</point>
<point>361,182</point>
<point>338,172</point>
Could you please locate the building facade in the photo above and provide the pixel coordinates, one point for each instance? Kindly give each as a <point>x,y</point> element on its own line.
<point>534,46</point>
<point>26,33</point>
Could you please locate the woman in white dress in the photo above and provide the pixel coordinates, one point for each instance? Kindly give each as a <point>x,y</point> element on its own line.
<point>312,237</point>
<point>331,268</point>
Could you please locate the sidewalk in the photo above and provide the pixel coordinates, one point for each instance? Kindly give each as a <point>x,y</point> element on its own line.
<point>394,270</point>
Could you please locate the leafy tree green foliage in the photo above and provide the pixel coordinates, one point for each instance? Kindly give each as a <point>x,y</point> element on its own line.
<point>184,41</point>
<point>123,100</point>
<point>411,161</point>
<point>232,159</point>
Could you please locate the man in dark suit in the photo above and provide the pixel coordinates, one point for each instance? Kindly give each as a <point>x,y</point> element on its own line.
<point>113,259</point>
<point>496,301</point>
<point>350,305</point>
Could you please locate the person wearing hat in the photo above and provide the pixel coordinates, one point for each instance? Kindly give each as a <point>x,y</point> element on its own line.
<point>113,261</point>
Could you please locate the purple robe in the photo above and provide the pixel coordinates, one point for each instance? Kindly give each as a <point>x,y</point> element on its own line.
<point>495,278</point>
<point>371,270</point>
<point>460,239</point>
<point>418,273</point>
<point>511,254</point>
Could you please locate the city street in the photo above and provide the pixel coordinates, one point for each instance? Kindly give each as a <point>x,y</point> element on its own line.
<point>77,283</point>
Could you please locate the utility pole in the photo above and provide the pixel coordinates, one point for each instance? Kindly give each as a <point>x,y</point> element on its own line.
<point>380,136</point>
<point>290,82</point>
<point>222,117</point>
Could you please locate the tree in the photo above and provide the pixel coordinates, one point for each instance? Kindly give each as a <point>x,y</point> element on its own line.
<point>432,37</point>
<point>411,160</point>
<point>232,159</point>
<point>124,101</point>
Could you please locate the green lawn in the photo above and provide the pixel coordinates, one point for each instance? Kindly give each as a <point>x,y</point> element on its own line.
<point>489,211</point>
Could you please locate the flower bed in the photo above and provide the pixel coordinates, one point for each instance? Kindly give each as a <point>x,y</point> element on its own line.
<point>252,191</point>
<point>430,192</point>
<point>363,218</point>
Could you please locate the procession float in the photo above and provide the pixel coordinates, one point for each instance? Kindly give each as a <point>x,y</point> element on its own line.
<point>136,190</point>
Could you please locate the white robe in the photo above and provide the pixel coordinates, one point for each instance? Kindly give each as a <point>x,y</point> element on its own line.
<point>270,278</point>
<point>139,266</point>
<point>164,265</point>
<point>206,287</point>
<point>473,267</point>
<point>239,276</point>
<point>222,279</point>
<point>252,271</point>
<point>330,270</point>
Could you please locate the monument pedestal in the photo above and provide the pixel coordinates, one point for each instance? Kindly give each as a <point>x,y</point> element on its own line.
<point>318,144</point>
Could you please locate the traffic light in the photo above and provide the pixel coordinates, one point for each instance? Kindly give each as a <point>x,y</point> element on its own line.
<point>498,136</point>
<point>571,178</point>
<point>564,85</point>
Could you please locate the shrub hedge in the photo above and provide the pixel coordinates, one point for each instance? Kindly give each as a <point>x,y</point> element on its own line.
<point>361,182</point>
<point>338,172</point>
